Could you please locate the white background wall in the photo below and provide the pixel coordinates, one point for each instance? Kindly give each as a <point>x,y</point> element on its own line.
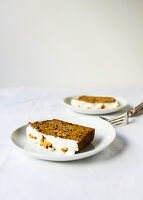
<point>71,42</point>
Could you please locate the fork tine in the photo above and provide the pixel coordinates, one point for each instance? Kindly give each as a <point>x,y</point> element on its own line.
<point>120,120</point>
<point>104,118</point>
<point>119,124</point>
<point>118,117</point>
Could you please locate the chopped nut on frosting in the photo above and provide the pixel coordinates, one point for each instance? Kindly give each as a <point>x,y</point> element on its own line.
<point>64,150</point>
<point>103,106</point>
<point>31,136</point>
<point>42,141</point>
<point>47,144</point>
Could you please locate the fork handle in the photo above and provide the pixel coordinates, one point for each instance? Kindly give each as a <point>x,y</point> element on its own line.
<point>135,110</point>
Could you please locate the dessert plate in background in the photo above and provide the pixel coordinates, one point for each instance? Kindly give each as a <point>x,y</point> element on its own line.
<point>121,101</point>
<point>104,136</point>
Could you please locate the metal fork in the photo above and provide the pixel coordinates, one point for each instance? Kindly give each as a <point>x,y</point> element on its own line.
<point>122,119</point>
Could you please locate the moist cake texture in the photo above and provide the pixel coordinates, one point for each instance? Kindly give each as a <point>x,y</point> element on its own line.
<point>60,135</point>
<point>95,102</point>
<point>92,99</point>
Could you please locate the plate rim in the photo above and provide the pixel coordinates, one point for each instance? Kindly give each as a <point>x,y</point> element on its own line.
<point>68,158</point>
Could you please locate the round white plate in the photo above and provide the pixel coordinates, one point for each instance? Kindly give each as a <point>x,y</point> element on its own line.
<point>104,135</point>
<point>121,101</point>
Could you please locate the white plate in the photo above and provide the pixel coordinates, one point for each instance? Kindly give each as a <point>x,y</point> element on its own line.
<point>122,102</point>
<point>105,134</point>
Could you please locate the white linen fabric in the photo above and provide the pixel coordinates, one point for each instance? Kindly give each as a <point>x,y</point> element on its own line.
<point>115,173</point>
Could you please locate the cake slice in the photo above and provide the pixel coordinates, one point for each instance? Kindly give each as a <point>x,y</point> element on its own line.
<point>57,135</point>
<point>94,102</point>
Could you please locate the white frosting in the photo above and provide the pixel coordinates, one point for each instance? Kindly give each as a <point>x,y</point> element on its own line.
<point>82,104</point>
<point>56,142</point>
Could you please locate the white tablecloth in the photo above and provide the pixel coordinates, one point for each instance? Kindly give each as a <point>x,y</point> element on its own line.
<point>115,173</point>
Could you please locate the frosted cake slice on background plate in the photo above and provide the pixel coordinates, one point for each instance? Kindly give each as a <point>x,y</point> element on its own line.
<point>93,102</point>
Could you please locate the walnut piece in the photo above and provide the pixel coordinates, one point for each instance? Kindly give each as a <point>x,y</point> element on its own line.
<point>47,144</point>
<point>31,136</point>
<point>42,141</point>
<point>103,106</point>
<point>64,150</point>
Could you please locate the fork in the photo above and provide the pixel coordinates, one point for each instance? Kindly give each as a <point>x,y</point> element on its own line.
<point>122,119</point>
